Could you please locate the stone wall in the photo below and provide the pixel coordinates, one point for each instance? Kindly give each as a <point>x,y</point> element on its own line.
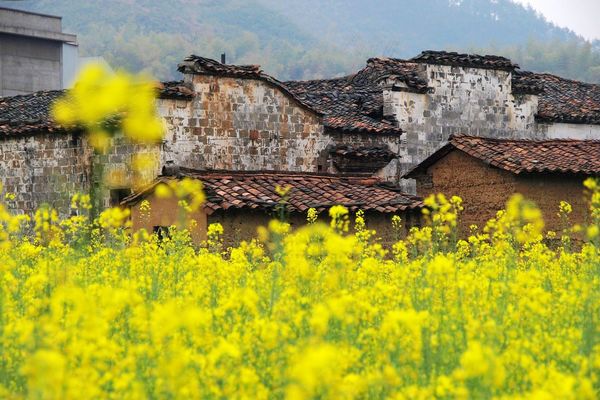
<point>460,101</point>
<point>240,124</point>
<point>117,169</point>
<point>46,168</point>
<point>51,168</point>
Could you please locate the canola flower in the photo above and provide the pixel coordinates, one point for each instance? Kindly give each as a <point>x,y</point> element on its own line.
<point>88,310</point>
<point>102,102</point>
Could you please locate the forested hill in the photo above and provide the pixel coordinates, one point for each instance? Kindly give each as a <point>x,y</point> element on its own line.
<point>294,39</point>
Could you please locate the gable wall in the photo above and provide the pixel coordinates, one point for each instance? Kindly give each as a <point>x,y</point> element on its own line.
<point>461,101</point>
<point>240,124</point>
<point>484,189</point>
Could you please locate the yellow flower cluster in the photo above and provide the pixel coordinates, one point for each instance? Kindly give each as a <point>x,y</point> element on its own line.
<point>102,100</point>
<point>310,313</point>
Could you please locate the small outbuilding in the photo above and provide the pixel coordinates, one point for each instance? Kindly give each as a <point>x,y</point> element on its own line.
<point>485,172</point>
<point>241,201</point>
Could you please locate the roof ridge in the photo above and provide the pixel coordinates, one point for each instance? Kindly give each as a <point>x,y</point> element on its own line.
<point>523,140</point>
<point>307,81</point>
<point>563,78</point>
<point>250,173</point>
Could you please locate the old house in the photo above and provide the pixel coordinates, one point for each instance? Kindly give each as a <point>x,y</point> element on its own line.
<point>485,172</point>
<point>240,201</point>
<point>378,122</point>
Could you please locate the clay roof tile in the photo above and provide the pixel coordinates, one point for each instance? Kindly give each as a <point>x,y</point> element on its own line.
<point>307,190</point>
<point>518,155</point>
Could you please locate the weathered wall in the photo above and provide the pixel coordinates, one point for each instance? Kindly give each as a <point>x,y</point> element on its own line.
<point>47,168</point>
<point>382,224</point>
<point>570,131</point>
<point>547,191</point>
<point>390,173</point>
<point>166,213</point>
<point>239,225</point>
<point>484,189</point>
<point>460,101</point>
<point>116,168</point>
<point>240,124</point>
<point>51,168</point>
<point>242,224</point>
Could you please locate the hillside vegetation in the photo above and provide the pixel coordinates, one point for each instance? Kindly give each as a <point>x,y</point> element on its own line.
<point>315,39</point>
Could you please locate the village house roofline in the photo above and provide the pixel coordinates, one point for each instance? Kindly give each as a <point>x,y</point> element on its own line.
<point>29,114</point>
<point>455,59</point>
<point>518,156</point>
<point>206,66</point>
<point>256,190</point>
<point>348,104</point>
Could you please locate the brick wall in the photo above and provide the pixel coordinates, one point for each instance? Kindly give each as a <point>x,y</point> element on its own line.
<point>241,124</point>
<point>46,168</point>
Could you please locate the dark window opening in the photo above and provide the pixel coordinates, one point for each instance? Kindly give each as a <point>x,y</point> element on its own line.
<point>320,167</point>
<point>162,232</point>
<point>118,195</point>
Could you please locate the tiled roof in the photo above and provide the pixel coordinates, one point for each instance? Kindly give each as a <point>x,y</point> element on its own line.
<point>465,60</point>
<point>522,156</point>
<point>201,65</point>
<point>256,190</point>
<point>175,90</point>
<point>352,103</point>
<point>366,152</point>
<point>524,82</point>
<point>355,103</point>
<point>379,68</point>
<point>207,66</point>
<point>361,159</point>
<point>28,113</point>
<point>565,100</point>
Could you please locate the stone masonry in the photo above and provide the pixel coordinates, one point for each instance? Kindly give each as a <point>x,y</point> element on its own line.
<point>380,121</point>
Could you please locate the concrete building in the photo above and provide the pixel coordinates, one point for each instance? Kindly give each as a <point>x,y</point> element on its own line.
<point>486,172</point>
<point>34,53</point>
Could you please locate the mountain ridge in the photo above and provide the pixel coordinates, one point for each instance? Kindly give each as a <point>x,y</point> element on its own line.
<point>315,39</point>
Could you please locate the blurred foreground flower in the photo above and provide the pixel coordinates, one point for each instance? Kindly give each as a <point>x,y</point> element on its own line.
<point>102,100</point>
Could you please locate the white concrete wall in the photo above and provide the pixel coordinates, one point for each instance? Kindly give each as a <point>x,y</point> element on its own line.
<point>572,131</point>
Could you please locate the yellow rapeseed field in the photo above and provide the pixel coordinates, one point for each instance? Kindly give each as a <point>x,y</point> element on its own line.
<point>89,311</point>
